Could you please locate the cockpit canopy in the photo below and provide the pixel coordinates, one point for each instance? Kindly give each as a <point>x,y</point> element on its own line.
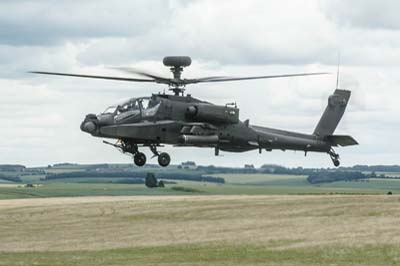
<point>110,110</point>
<point>144,103</point>
<point>134,107</point>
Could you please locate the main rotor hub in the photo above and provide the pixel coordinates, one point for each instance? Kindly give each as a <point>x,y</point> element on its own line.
<point>176,64</point>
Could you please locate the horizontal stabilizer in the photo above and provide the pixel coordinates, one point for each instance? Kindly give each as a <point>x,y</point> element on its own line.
<point>341,140</point>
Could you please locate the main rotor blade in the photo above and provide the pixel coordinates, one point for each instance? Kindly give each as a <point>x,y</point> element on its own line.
<point>143,73</point>
<point>93,76</point>
<point>204,79</point>
<point>256,77</point>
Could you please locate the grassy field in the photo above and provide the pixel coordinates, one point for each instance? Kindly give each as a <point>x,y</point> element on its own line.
<point>201,230</point>
<point>60,189</point>
<point>236,184</point>
<point>252,179</point>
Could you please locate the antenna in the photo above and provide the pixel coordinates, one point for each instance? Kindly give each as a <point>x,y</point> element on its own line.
<point>337,74</point>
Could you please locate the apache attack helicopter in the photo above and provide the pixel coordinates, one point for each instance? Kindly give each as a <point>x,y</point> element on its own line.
<point>181,120</point>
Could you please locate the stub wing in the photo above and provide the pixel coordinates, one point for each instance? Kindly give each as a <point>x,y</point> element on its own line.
<point>341,140</point>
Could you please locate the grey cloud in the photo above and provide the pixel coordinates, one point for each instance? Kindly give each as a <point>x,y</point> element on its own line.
<point>96,33</point>
<point>248,33</point>
<point>245,38</point>
<point>51,22</point>
<point>370,14</point>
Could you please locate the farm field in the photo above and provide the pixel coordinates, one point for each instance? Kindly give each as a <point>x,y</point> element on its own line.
<point>235,184</point>
<point>60,189</point>
<point>201,230</point>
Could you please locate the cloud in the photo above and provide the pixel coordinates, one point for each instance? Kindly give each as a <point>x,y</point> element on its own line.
<point>51,22</point>
<point>42,114</point>
<point>244,33</point>
<point>42,35</point>
<point>366,14</point>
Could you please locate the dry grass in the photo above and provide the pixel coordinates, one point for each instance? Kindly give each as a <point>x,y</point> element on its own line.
<point>8,185</point>
<point>279,222</point>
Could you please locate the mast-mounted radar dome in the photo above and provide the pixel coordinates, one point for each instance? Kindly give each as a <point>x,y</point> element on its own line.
<point>177,61</point>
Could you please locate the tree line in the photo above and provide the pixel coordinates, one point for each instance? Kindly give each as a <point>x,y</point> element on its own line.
<point>141,175</point>
<point>328,177</point>
<point>11,178</point>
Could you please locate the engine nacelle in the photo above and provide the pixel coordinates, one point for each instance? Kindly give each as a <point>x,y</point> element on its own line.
<point>213,113</point>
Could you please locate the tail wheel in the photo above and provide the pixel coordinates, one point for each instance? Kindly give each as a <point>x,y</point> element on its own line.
<point>164,159</point>
<point>336,162</point>
<point>334,157</point>
<point>139,159</point>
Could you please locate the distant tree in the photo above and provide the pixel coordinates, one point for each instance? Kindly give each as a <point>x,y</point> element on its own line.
<point>161,183</point>
<point>151,180</point>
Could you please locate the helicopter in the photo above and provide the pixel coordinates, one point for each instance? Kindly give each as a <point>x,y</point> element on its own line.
<point>179,119</point>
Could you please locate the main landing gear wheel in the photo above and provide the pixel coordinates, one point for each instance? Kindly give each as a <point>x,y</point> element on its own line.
<point>139,159</point>
<point>164,159</point>
<point>334,157</point>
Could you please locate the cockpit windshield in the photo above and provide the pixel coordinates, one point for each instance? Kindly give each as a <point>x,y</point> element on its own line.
<point>128,106</point>
<point>144,107</point>
<point>110,110</point>
<point>149,106</point>
<point>131,104</point>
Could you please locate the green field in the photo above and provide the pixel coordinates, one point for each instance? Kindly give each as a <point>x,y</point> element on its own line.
<point>201,230</point>
<point>211,254</point>
<point>236,184</point>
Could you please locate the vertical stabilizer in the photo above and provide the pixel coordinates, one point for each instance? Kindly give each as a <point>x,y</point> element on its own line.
<point>330,119</point>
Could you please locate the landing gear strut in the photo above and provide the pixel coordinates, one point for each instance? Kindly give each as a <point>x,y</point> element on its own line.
<point>163,158</point>
<point>334,157</point>
<point>139,158</point>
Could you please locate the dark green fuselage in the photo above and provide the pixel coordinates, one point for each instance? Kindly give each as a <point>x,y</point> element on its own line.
<point>186,121</point>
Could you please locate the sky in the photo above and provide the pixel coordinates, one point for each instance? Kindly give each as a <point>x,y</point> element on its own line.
<point>40,115</point>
